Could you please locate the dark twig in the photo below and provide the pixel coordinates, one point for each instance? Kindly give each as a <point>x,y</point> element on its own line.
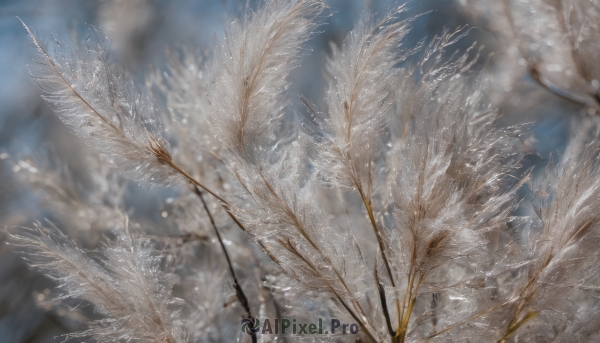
<point>236,285</point>
<point>384,306</point>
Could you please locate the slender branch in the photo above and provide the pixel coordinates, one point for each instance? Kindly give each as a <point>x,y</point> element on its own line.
<point>300,226</point>
<point>239,292</point>
<point>384,307</point>
<point>470,318</point>
<point>369,208</point>
<point>227,208</point>
<point>404,316</point>
<point>514,328</point>
<point>291,248</point>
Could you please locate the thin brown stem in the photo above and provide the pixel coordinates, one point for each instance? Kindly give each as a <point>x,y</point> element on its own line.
<point>412,289</point>
<point>369,208</point>
<point>224,203</point>
<point>302,230</point>
<point>491,309</point>
<point>290,247</point>
<point>517,325</point>
<point>408,302</point>
<point>227,206</point>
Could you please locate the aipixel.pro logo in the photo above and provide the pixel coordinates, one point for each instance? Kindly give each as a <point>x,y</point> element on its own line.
<point>252,326</point>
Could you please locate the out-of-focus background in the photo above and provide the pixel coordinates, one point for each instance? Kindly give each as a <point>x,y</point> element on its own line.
<point>141,32</point>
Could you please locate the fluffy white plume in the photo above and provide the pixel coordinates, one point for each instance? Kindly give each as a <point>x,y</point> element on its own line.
<point>100,103</point>
<point>364,76</point>
<point>183,87</point>
<point>88,209</point>
<point>555,40</point>
<point>249,82</point>
<point>563,270</point>
<point>250,73</point>
<point>417,234</point>
<point>127,286</point>
<point>454,188</point>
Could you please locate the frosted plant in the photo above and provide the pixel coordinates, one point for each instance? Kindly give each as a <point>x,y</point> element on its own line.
<point>109,112</point>
<point>555,41</point>
<point>85,209</point>
<point>397,206</point>
<point>551,300</point>
<point>127,287</point>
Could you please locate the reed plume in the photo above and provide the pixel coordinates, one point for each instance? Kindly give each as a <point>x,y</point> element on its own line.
<point>402,203</point>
